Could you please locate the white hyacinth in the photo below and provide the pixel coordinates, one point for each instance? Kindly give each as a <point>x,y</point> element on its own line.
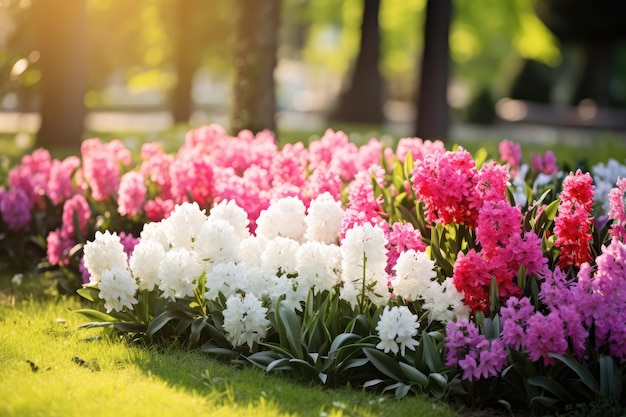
<point>251,249</point>
<point>323,219</point>
<point>244,320</point>
<point>229,210</point>
<point>285,217</point>
<point>224,278</point>
<point>397,326</point>
<point>117,289</point>
<point>604,179</point>
<point>279,256</point>
<point>318,266</point>
<point>414,272</point>
<point>444,302</point>
<point>363,262</point>
<point>178,273</point>
<point>103,253</point>
<point>155,233</point>
<point>217,242</point>
<point>145,261</point>
<point>184,224</point>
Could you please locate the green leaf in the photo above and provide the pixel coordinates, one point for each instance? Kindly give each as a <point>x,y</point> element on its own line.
<point>159,322</point>
<point>431,355</point>
<point>281,364</point>
<point>129,327</point>
<point>89,293</point>
<point>290,328</point>
<point>372,383</point>
<point>95,315</point>
<point>552,386</point>
<point>384,363</point>
<point>340,340</point>
<point>581,370</point>
<point>438,384</point>
<point>414,374</point>
<point>610,380</point>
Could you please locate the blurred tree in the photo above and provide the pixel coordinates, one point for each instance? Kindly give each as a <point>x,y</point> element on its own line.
<point>255,55</point>
<point>61,43</point>
<point>596,25</point>
<point>431,99</point>
<point>201,35</point>
<point>362,101</point>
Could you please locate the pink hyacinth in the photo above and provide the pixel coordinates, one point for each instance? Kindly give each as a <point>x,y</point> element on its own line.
<point>76,210</point>
<point>446,183</point>
<point>192,179</point>
<point>132,194</point>
<point>472,352</point>
<point>363,206</point>
<point>617,210</point>
<point>472,277</point>
<point>604,302</point>
<point>492,181</point>
<point>58,247</point>
<point>155,168</point>
<point>60,185</point>
<point>402,237</point>
<point>572,225</point>
<point>101,167</point>
<point>546,163</point>
<point>158,208</point>
<point>418,148</point>
<point>496,224</point>
<point>15,207</point>
<point>32,176</point>
<point>545,335</point>
<point>510,154</point>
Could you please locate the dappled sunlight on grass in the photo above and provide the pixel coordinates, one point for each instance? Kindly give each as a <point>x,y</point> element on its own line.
<point>51,367</point>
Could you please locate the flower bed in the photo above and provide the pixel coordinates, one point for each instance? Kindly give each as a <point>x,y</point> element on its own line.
<point>414,269</point>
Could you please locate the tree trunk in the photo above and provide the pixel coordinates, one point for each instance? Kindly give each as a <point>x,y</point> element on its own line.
<point>431,100</point>
<point>187,61</point>
<point>362,102</point>
<point>62,44</point>
<point>255,51</point>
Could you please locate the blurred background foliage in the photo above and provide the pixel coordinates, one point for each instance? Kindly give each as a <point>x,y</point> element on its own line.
<point>140,52</point>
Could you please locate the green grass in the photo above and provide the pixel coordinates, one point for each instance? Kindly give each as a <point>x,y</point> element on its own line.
<point>48,367</point>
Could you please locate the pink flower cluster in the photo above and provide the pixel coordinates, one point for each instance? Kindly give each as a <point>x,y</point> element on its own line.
<point>503,245</point>
<point>617,210</point>
<point>572,225</point>
<point>472,352</point>
<point>446,183</point>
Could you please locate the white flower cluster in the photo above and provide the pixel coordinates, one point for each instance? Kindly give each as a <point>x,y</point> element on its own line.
<point>604,179</point>
<point>415,279</point>
<point>397,326</point>
<point>363,264</point>
<point>290,255</point>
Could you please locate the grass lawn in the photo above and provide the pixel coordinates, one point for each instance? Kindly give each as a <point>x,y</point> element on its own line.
<point>49,367</point>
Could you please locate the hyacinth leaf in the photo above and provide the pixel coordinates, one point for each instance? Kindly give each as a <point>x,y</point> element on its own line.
<point>610,378</point>
<point>480,156</point>
<point>430,354</point>
<point>384,363</point>
<point>263,358</point>
<point>289,329</point>
<point>414,375</point>
<point>95,315</point>
<point>398,176</point>
<point>89,293</point>
<point>372,383</point>
<point>494,296</point>
<point>197,325</point>
<point>281,364</point>
<point>340,340</point>
<point>401,389</point>
<point>438,385</point>
<point>129,327</point>
<point>582,371</point>
<point>159,322</point>
<point>552,386</point>
<point>409,165</point>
